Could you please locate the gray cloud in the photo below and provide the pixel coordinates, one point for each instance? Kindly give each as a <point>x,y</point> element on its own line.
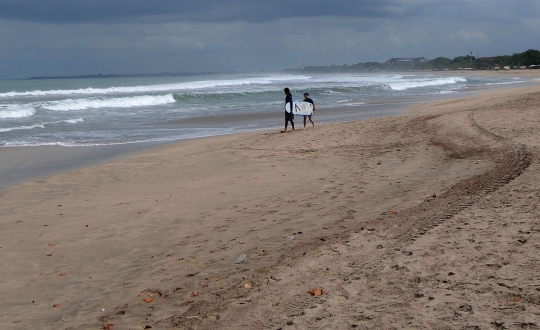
<point>70,37</point>
<point>196,10</point>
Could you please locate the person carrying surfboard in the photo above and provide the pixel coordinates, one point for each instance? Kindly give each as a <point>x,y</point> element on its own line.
<point>307,99</point>
<point>289,116</point>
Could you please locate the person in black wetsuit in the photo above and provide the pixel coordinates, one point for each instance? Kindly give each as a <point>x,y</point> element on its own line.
<point>307,99</point>
<point>289,116</point>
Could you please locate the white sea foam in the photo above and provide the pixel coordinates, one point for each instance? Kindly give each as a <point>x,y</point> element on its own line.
<point>505,82</point>
<point>117,102</point>
<point>329,92</point>
<point>355,104</point>
<point>9,129</point>
<point>74,121</point>
<point>16,111</point>
<point>193,85</point>
<point>30,143</point>
<point>408,84</point>
<point>362,79</point>
<point>42,125</point>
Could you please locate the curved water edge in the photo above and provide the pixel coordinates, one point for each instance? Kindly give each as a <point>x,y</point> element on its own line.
<point>104,111</point>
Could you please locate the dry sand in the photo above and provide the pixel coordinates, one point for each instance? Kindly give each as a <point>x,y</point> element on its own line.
<point>422,221</point>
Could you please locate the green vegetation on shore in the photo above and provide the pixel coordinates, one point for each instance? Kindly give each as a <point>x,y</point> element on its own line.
<point>515,61</point>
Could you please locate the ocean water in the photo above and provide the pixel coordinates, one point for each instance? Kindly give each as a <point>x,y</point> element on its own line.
<point>106,111</point>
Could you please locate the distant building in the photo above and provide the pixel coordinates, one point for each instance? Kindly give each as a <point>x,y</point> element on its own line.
<point>412,61</point>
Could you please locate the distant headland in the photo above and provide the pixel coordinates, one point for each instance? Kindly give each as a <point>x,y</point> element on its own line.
<point>529,59</point>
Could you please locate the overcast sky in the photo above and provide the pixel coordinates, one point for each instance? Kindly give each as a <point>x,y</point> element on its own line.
<point>74,37</point>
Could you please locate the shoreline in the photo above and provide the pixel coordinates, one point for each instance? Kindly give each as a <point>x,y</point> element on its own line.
<point>388,217</point>
<point>22,164</point>
<point>26,163</point>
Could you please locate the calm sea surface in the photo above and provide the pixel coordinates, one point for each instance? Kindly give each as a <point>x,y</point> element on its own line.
<point>106,111</point>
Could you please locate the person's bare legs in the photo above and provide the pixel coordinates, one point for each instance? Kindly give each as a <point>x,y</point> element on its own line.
<point>311,120</point>
<point>286,124</point>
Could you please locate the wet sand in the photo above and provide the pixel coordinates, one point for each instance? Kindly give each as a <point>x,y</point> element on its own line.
<point>20,164</point>
<point>425,220</point>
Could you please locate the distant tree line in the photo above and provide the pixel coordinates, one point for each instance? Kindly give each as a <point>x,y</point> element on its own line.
<point>525,59</point>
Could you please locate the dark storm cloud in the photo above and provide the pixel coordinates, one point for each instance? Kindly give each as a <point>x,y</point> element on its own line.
<point>494,11</point>
<point>93,11</point>
<point>70,37</point>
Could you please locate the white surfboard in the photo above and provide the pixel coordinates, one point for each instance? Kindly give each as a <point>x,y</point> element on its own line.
<point>300,108</point>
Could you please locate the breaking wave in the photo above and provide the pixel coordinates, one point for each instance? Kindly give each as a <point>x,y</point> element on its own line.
<point>194,85</point>
<point>16,111</point>
<point>42,125</point>
<point>117,102</point>
<point>404,85</point>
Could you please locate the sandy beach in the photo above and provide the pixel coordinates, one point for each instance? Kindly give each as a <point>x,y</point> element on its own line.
<point>427,220</point>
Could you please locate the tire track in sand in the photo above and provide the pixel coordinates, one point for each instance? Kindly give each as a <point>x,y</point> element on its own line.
<point>250,311</point>
<point>513,160</point>
<point>510,161</point>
